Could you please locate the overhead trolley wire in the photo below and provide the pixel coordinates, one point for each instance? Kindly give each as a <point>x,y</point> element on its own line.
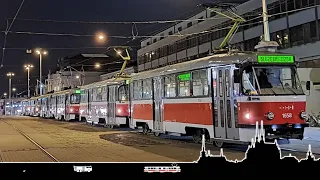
<point>6,33</point>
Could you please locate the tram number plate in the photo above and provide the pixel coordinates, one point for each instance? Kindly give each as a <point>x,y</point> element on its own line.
<point>287,115</point>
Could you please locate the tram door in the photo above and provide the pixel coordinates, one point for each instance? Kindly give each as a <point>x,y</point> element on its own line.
<point>90,97</point>
<point>157,104</point>
<point>224,115</point>
<point>67,107</point>
<point>111,105</point>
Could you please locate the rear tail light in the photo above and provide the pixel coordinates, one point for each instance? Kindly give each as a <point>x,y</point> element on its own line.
<point>270,115</point>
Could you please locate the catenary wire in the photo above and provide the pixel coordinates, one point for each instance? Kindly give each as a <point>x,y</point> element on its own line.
<point>6,33</point>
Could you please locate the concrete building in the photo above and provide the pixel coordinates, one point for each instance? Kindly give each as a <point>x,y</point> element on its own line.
<point>65,79</point>
<point>294,24</point>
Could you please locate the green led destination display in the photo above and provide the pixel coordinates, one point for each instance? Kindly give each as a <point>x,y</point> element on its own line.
<point>275,59</point>
<point>78,91</point>
<point>184,77</point>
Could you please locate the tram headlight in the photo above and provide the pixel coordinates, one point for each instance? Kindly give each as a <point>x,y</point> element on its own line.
<point>303,115</point>
<point>247,116</point>
<point>270,115</point>
<point>119,111</point>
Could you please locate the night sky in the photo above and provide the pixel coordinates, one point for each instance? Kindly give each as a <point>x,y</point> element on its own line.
<point>74,10</point>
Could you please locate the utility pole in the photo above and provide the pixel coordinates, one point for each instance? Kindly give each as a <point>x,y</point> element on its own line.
<point>10,75</point>
<point>266,45</point>
<point>265,21</point>
<point>28,67</point>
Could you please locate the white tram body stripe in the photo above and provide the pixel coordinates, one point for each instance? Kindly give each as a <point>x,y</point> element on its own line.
<point>299,98</point>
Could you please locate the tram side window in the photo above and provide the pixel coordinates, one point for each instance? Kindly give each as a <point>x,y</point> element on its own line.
<point>99,94</point>
<point>84,96</point>
<point>137,90</point>
<point>227,82</point>
<point>104,93</point>
<point>200,83</point>
<point>214,83</point>
<point>90,91</point>
<point>170,86</point>
<point>184,84</point>
<point>220,84</point>
<point>94,95</point>
<point>147,89</point>
<point>123,93</point>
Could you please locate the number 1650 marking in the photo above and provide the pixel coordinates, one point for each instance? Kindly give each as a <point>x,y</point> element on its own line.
<point>287,115</point>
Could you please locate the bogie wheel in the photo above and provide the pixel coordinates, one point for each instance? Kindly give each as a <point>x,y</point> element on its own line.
<point>218,144</point>
<point>197,136</point>
<point>157,134</point>
<point>111,126</point>
<point>145,129</point>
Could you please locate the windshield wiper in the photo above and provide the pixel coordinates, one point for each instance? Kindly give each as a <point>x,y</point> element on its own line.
<point>287,88</point>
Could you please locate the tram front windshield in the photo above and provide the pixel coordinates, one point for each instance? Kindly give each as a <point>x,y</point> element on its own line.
<point>271,80</point>
<point>75,99</point>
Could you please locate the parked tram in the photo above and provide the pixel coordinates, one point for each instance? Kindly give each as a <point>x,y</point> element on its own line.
<point>34,107</point>
<point>221,96</point>
<point>26,108</point>
<point>65,105</point>
<point>105,103</point>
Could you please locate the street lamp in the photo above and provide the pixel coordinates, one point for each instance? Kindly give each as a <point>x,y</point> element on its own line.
<point>28,67</point>
<point>41,52</point>
<point>10,75</point>
<point>100,37</point>
<point>14,90</point>
<point>97,65</point>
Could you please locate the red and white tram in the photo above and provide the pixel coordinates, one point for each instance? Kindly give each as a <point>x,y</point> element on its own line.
<point>33,107</point>
<point>26,108</point>
<point>44,102</point>
<point>221,96</point>
<point>65,105</point>
<point>105,103</point>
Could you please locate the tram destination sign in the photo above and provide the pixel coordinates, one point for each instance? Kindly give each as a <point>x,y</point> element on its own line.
<point>281,59</point>
<point>184,77</point>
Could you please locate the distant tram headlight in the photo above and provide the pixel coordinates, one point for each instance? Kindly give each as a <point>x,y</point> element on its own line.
<point>303,115</point>
<point>270,115</point>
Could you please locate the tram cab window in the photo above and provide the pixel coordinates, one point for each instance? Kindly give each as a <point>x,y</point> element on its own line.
<point>147,89</point>
<point>170,86</point>
<point>271,80</point>
<point>123,93</point>
<point>200,83</point>
<point>184,88</point>
<point>75,98</point>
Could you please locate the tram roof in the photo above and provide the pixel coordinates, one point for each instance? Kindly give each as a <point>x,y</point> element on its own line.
<point>111,81</point>
<point>67,91</point>
<point>209,61</point>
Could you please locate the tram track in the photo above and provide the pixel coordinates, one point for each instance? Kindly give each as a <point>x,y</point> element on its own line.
<point>42,149</point>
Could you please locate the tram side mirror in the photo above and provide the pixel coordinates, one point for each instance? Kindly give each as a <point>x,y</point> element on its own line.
<point>308,85</point>
<point>236,76</point>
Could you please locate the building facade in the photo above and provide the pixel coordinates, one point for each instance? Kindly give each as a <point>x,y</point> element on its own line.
<point>66,79</point>
<point>294,24</point>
